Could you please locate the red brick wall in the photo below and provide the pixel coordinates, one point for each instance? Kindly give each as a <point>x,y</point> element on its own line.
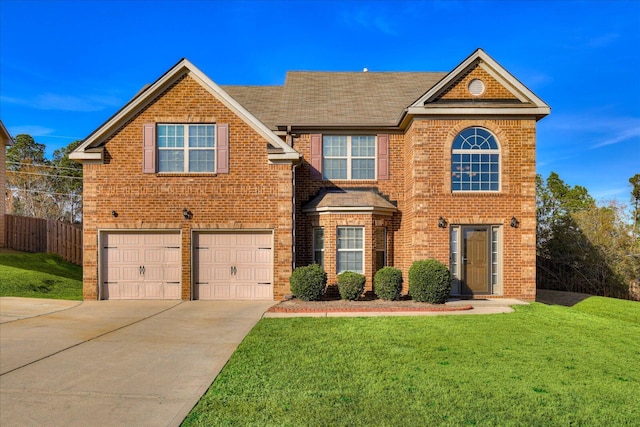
<point>420,185</point>
<point>254,195</point>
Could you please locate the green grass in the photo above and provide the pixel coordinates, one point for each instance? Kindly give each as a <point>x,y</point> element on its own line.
<point>39,275</point>
<point>540,366</point>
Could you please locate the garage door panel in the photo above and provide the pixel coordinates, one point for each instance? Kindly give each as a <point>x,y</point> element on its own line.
<point>263,256</point>
<point>262,275</point>
<point>244,256</point>
<point>240,266</point>
<point>220,292</point>
<point>172,291</point>
<point>264,292</point>
<point>244,291</point>
<point>172,255</point>
<point>152,290</point>
<point>222,256</point>
<point>141,265</point>
<point>220,273</point>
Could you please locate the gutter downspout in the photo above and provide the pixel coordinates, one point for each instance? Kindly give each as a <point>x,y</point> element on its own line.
<point>289,141</point>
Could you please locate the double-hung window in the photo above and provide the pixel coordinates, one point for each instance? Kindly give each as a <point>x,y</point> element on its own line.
<point>350,245</point>
<point>186,148</point>
<point>349,157</point>
<point>318,246</point>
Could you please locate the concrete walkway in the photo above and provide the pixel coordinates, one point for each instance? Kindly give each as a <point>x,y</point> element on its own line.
<point>107,363</point>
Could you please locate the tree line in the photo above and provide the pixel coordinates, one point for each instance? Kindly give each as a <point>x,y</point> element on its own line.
<point>43,188</point>
<point>583,247</point>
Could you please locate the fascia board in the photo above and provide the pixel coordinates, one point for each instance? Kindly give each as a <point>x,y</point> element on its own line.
<point>350,210</point>
<point>6,136</point>
<point>238,109</point>
<point>275,158</point>
<point>182,67</point>
<point>479,111</point>
<point>86,155</point>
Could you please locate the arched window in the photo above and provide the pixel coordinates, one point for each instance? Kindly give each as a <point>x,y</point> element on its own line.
<point>475,161</point>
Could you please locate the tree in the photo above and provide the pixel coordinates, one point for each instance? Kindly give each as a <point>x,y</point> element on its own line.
<point>635,200</point>
<point>582,247</point>
<point>26,178</point>
<point>25,150</point>
<point>67,183</point>
<point>42,188</point>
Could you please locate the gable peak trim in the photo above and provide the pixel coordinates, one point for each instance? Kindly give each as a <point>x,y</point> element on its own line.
<point>148,93</point>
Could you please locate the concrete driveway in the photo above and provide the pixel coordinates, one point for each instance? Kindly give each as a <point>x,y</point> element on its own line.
<point>107,363</point>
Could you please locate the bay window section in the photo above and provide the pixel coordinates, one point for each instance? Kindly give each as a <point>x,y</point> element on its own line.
<point>318,246</point>
<point>350,248</point>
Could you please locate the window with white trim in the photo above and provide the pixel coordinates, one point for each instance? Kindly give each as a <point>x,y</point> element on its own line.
<point>186,148</point>
<point>350,248</point>
<point>349,157</point>
<point>381,247</point>
<point>318,246</point>
<point>475,161</point>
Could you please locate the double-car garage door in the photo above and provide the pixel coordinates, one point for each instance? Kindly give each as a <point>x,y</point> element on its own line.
<point>225,265</point>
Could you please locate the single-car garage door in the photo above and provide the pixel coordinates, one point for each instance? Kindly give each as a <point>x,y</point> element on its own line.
<point>140,265</point>
<point>233,265</point>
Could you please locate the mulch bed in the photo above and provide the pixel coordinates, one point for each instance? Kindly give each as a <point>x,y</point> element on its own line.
<point>361,306</point>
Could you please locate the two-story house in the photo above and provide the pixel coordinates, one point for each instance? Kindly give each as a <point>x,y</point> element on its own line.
<point>199,191</point>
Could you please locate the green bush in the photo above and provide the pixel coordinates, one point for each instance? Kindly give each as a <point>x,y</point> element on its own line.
<point>429,281</point>
<point>351,285</point>
<point>387,283</point>
<point>308,283</point>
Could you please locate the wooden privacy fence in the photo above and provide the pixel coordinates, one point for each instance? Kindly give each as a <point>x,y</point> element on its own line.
<point>44,235</point>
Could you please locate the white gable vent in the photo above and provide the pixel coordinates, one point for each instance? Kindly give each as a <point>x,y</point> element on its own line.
<point>476,87</point>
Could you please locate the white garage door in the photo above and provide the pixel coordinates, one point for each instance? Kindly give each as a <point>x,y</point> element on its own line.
<point>233,266</point>
<point>141,266</point>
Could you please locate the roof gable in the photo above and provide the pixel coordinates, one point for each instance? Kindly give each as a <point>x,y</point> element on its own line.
<point>92,148</point>
<point>502,93</point>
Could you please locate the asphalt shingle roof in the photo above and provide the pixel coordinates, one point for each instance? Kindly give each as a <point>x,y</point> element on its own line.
<point>313,98</point>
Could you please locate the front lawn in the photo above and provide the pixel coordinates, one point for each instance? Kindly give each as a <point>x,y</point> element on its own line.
<point>39,275</point>
<point>542,365</point>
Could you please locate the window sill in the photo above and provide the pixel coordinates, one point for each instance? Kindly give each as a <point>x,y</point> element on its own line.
<point>477,193</point>
<point>186,175</point>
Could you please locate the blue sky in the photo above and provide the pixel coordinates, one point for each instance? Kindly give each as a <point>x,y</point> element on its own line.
<point>67,66</point>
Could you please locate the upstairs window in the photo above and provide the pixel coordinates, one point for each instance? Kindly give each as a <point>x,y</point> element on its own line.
<point>344,157</point>
<point>185,148</point>
<point>475,161</point>
<point>349,157</point>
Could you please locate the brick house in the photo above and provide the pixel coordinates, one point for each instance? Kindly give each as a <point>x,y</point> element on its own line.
<point>5,141</point>
<point>199,191</point>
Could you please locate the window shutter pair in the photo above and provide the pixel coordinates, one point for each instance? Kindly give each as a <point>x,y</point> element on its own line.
<point>149,148</point>
<point>315,156</point>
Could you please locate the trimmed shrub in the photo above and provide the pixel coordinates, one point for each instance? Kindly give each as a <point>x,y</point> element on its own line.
<point>429,281</point>
<point>350,285</point>
<point>308,282</point>
<point>387,283</point>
